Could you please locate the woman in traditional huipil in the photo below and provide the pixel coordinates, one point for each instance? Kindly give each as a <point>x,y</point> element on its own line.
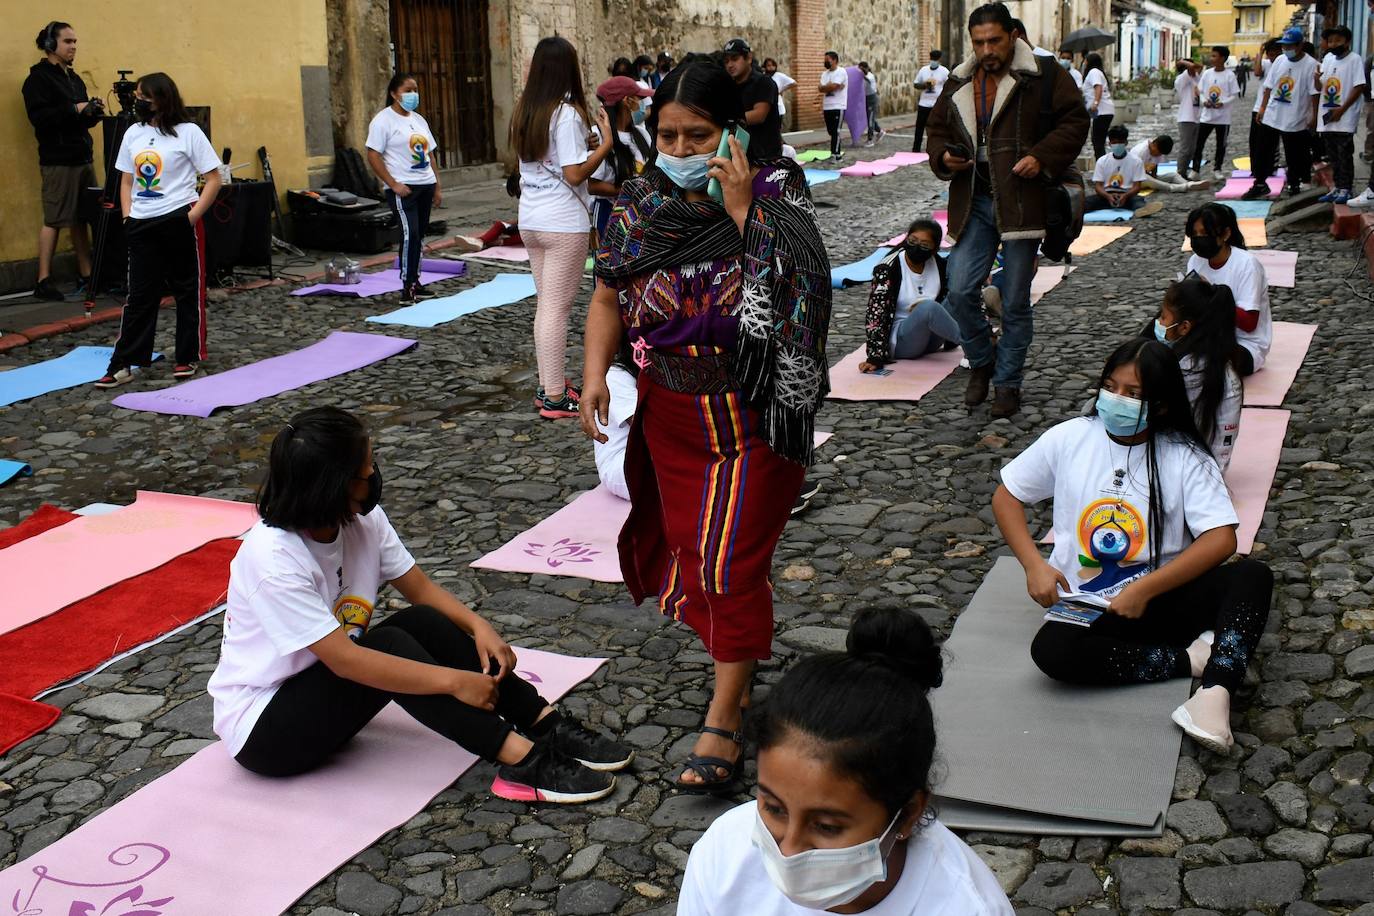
<point>727,305</point>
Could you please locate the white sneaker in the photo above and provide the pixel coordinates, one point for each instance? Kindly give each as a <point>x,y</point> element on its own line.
<point>1217,744</point>
<point>1363,201</point>
<point>115,379</point>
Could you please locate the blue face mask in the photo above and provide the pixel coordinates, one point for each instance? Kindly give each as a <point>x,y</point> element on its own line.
<point>410,100</point>
<point>1162,332</point>
<point>1292,54</point>
<point>687,172</point>
<point>637,116</point>
<point>1119,150</point>
<point>1122,416</point>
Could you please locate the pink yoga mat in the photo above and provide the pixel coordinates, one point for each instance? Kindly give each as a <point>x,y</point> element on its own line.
<point>868,169</point>
<point>210,837</point>
<point>1047,278</point>
<point>1269,386</point>
<point>502,253</point>
<point>340,352</point>
<point>1253,465</point>
<point>1236,187</point>
<point>45,573</point>
<point>368,285</point>
<point>911,379</point>
<point>907,158</point>
<point>577,540</point>
<point>1280,267</point>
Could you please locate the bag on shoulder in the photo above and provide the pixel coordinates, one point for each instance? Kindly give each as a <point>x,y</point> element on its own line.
<point>1066,193</point>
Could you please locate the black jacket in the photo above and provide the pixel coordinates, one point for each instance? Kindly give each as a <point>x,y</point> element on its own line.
<point>51,94</point>
<point>882,303</point>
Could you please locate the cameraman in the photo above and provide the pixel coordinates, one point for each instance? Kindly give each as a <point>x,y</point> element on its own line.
<point>62,114</point>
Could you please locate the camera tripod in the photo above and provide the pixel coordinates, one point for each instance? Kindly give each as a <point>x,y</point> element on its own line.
<point>109,195</point>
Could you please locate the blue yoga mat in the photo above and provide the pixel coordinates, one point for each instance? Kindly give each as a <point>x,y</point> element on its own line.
<point>1249,209</point>
<point>820,176</point>
<point>81,366</point>
<point>1170,168</point>
<point>503,290</point>
<point>12,469</point>
<point>859,271</point>
<point>1107,216</point>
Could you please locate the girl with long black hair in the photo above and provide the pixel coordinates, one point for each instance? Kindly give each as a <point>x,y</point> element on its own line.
<point>1097,95</point>
<point>304,666</point>
<point>843,821</point>
<point>160,158</point>
<point>1220,257</point>
<point>1198,321</point>
<point>1142,525</point>
<point>548,130</point>
<point>631,146</point>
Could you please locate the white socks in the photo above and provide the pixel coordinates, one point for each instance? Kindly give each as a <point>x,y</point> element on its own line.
<point>1200,652</point>
<point>1207,719</point>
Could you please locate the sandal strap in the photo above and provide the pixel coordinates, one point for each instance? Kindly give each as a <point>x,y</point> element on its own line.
<point>706,767</point>
<point>735,736</point>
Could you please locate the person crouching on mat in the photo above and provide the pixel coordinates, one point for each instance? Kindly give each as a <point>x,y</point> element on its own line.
<point>1142,523</point>
<point>843,821</point>
<point>905,319</point>
<point>303,668</point>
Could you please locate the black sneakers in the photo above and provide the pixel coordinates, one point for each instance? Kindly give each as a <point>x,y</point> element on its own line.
<point>549,775</point>
<point>47,291</point>
<point>592,749</point>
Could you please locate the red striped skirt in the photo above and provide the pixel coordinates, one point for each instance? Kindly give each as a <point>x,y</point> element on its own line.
<point>708,502</point>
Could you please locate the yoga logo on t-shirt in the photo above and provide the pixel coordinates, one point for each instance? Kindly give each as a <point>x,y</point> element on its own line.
<point>419,151</point>
<point>1213,95</point>
<point>1331,92</point>
<point>1111,533</point>
<point>148,173</point>
<point>1117,182</point>
<point>1283,90</point>
<point>354,614</point>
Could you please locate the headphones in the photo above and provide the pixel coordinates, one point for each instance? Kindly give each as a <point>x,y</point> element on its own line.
<point>50,37</point>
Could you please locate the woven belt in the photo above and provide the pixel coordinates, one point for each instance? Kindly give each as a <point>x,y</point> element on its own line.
<point>705,374</point>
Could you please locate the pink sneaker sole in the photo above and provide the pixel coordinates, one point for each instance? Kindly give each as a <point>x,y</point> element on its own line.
<point>513,791</point>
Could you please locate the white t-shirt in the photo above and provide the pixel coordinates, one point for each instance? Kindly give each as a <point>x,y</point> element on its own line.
<point>1142,152</point>
<point>783,82</point>
<point>915,287</point>
<point>870,84</point>
<point>1291,85</point>
<point>606,171</point>
<point>406,143</point>
<point>1118,174</point>
<point>164,167</point>
<point>1218,88</point>
<point>942,876</point>
<point>1093,79</point>
<point>547,202</point>
<point>1228,411</point>
<point>1265,65</point>
<point>1245,275</point>
<point>837,101</point>
<point>1101,494</point>
<point>1185,87</point>
<point>1341,77</point>
<point>286,592</point>
<point>610,455</point>
<point>937,72</point>
<point>1077,78</point>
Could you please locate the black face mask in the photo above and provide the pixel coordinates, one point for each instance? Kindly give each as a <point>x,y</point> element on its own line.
<point>1341,51</point>
<point>374,491</point>
<point>917,252</point>
<point>143,109</point>
<point>1205,246</point>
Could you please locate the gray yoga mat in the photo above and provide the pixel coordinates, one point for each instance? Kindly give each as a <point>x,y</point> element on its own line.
<point>1024,754</point>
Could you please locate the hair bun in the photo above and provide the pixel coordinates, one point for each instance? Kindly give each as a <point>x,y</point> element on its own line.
<point>901,640</point>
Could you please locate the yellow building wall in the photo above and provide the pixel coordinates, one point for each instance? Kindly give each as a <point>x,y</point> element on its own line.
<point>242,59</point>
<point>1217,22</point>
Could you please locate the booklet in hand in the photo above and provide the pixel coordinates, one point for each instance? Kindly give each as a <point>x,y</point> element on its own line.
<point>1078,608</point>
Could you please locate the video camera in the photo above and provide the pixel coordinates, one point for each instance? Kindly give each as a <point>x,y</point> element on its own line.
<point>124,91</point>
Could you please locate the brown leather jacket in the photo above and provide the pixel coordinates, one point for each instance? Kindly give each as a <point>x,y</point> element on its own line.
<point>1013,133</point>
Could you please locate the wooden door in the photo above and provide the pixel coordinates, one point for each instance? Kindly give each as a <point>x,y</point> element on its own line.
<point>444,44</point>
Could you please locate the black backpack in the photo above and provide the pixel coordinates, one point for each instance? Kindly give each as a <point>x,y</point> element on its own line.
<point>1064,193</point>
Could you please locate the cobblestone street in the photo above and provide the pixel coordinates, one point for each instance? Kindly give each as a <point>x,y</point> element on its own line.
<point>1281,825</point>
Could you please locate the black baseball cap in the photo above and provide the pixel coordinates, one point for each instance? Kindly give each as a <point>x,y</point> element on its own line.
<point>737,46</point>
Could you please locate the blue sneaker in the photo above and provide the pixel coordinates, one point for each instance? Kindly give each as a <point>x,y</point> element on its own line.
<point>1341,197</point>
<point>1329,197</point>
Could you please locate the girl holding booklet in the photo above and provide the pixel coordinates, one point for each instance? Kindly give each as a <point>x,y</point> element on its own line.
<point>1142,525</point>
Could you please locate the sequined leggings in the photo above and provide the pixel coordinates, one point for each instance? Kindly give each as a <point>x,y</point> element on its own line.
<point>1231,600</point>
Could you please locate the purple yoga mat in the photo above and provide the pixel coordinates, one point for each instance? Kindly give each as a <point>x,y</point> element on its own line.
<point>438,266</point>
<point>368,285</point>
<point>340,352</point>
<point>856,110</point>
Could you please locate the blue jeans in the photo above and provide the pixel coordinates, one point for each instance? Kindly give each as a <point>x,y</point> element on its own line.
<point>924,330</point>
<point>969,263</point>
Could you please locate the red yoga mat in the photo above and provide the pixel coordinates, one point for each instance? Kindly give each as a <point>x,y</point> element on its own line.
<point>82,635</point>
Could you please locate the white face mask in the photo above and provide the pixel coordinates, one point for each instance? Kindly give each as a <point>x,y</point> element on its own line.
<point>819,879</point>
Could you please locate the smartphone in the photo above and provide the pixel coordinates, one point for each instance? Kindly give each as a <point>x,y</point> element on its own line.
<point>958,150</point>
<point>723,152</point>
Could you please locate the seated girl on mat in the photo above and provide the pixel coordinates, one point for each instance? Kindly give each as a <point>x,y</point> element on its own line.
<point>905,319</point>
<point>1198,321</point>
<point>1219,256</point>
<point>302,671</point>
<point>843,822</point>
<point>1142,521</point>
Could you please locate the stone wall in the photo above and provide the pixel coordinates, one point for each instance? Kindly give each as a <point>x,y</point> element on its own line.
<point>887,34</point>
<point>359,65</point>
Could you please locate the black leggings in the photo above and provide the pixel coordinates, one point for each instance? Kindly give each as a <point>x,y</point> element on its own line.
<point>833,119</point>
<point>316,712</point>
<point>1101,124</point>
<point>413,213</point>
<point>1232,600</point>
<point>1203,132</point>
<point>166,255</point>
<point>922,116</point>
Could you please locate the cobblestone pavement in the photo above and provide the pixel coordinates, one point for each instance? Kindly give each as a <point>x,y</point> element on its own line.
<point>1283,824</point>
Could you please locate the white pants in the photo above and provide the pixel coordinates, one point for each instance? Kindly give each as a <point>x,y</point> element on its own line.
<point>610,455</point>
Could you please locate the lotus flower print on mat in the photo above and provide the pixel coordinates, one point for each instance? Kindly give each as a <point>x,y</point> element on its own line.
<point>53,895</point>
<point>563,550</point>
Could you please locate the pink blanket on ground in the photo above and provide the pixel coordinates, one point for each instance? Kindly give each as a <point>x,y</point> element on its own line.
<point>1269,386</point>
<point>45,573</point>
<point>210,837</point>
